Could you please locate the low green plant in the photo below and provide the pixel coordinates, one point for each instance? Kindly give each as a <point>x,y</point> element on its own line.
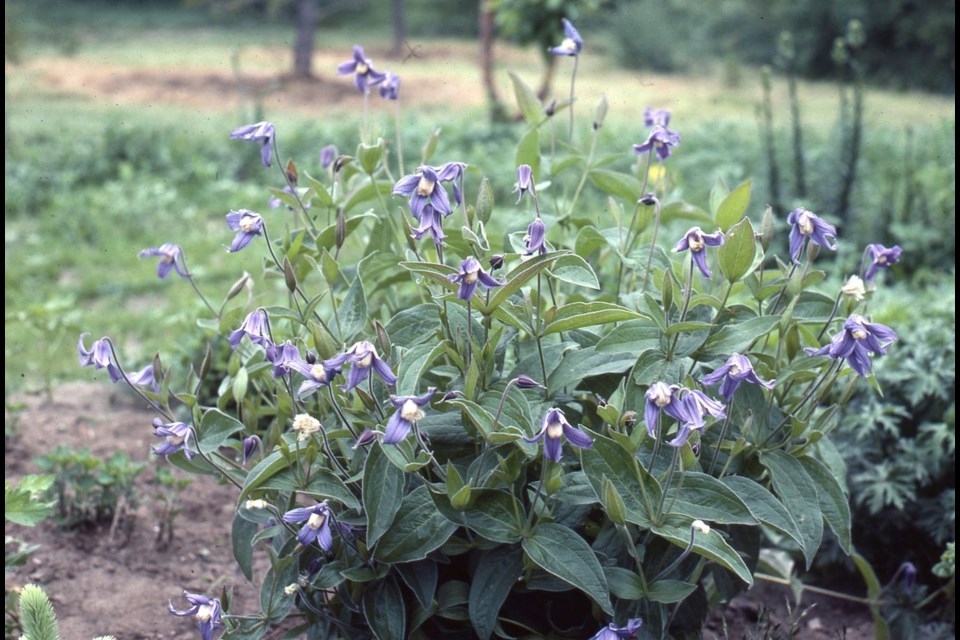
<point>89,490</point>
<point>169,488</point>
<point>38,617</point>
<point>24,505</point>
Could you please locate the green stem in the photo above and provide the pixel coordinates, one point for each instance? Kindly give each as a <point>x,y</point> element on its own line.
<point>573,79</point>
<point>666,486</point>
<point>536,497</point>
<point>493,429</point>
<point>586,171</point>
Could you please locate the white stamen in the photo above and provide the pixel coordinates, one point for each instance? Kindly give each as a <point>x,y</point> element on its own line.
<point>411,411</point>
<point>316,520</point>
<point>318,373</point>
<point>555,430</point>
<point>205,613</point>
<point>425,186</point>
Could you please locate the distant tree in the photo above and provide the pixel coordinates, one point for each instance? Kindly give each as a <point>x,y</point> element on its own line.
<point>399,27</point>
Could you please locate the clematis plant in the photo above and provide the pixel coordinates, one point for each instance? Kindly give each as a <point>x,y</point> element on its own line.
<point>442,515</point>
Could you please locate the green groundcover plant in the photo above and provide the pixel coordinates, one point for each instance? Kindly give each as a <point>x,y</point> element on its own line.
<point>527,420</point>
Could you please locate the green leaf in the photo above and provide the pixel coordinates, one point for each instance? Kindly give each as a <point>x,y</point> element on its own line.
<point>385,611</point>
<point>584,363</point>
<point>519,275</point>
<point>528,102</point>
<point>327,237</point>
<point>709,545</point>
<point>241,540</point>
<point>216,428</point>
<point>607,459</point>
<point>493,515</point>
<point>577,315</point>
<point>735,338</point>
<point>417,530</point>
<point>652,366</point>
<point>322,485</point>
<point>263,471</point>
<point>319,190</point>
<point>484,206</point>
<point>274,602</point>
<point>633,336</point>
<point>733,207</point>
<point>833,501</point>
<point>575,270</point>
<point>617,184</point>
<point>24,504</point>
<point>413,365</point>
<point>560,551</point>
<point>239,387</point>
<point>703,497</point>
<point>685,211</point>
<point>382,492</point>
<point>528,151</point>
<point>589,240</point>
<point>421,577</point>
<point>796,488</point>
<point>497,571</point>
<point>365,193</point>
<point>670,591</point>
<point>414,325</point>
<point>874,589</point>
<point>353,311</point>
<point>764,506</point>
<point>738,251</point>
<point>624,583</point>
<point>718,193</point>
<point>434,272</point>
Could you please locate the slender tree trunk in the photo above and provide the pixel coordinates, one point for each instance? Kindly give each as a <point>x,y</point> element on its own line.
<point>486,59</point>
<point>399,27</point>
<point>307,18</point>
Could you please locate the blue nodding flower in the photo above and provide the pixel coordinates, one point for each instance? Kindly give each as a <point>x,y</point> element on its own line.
<point>737,369</point>
<point>661,140</point>
<point>613,632</point>
<point>282,357</point>
<point>318,375</point>
<point>144,378</point>
<point>362,357</point>
<point>316,526</point>
<point>686,406</point>
<point>409,412</point>
<point>806,224</point>
<point>424,188</point>
<point>207,611</point>
<point>856,342</point>
<point>554,430</point>
<point>535,239</point>
<point>881,258</point>
<point>100,355</point>
<point>390,87</point>
<point>327,155</point>
<point>247,224</point>
<point>176,437</point>
<point>524,180</point>
<point>262,132</point>
<point>171,257</point>
<point>256,326</point>
<point>471,274</point>
<point>430,222</point>
<point>697,242</point>
<point>656,117</point>
<point>572,42</point>
<point>364,75</point>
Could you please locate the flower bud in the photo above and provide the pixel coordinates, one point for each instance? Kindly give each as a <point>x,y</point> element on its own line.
<point>341,162</point>
<point>648,200</point>
<point>526,382</point>
<point>292,172</point>
<point>550,109</point>
<point>496,261</point>
<point>289,276</point>
<point>600,112</point>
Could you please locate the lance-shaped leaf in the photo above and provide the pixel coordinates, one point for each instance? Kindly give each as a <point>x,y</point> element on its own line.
<point>738,251</point>
<point>560,551</point>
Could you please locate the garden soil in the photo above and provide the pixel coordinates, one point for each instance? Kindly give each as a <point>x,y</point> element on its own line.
<point>120,583</point>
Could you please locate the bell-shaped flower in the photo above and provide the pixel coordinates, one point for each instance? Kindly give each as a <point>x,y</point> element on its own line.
<point>318,375</point>
<point>806,224</point>
<point>535,241</point>
<point>737,369</point>
<point>390,87</point>
<point>316,526</point>
<point>247,224</point>
<point>524,180</point>
<point>656,117</point>
<point>176,437</point>
<point>409,411</point>
<point>100,355</point>
<point>282,357</point>
<point>697,242</point>
<point>362,357</point>
<point>661,140</point>
<point>686,406</point>
<point>256,326</point>
<point>171,257</point>
<point>613,632</point>
<point>471,274</point>
<point>261,132</point>
<point>207,612</point>
<point>881,258</point>
<point>554,430</point>
<point>144,378</point>
<point>423,188</point>
<point>572,42</point>
<point>430,222</point>
<point>858,340</point>
<point>364,75</point>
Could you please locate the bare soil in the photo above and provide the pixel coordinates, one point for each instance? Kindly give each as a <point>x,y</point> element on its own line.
<point>120,584</point>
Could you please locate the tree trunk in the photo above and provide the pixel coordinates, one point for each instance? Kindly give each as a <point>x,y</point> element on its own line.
<point>307,18</point>
<point>486,59</point>
<point>399,27</point>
